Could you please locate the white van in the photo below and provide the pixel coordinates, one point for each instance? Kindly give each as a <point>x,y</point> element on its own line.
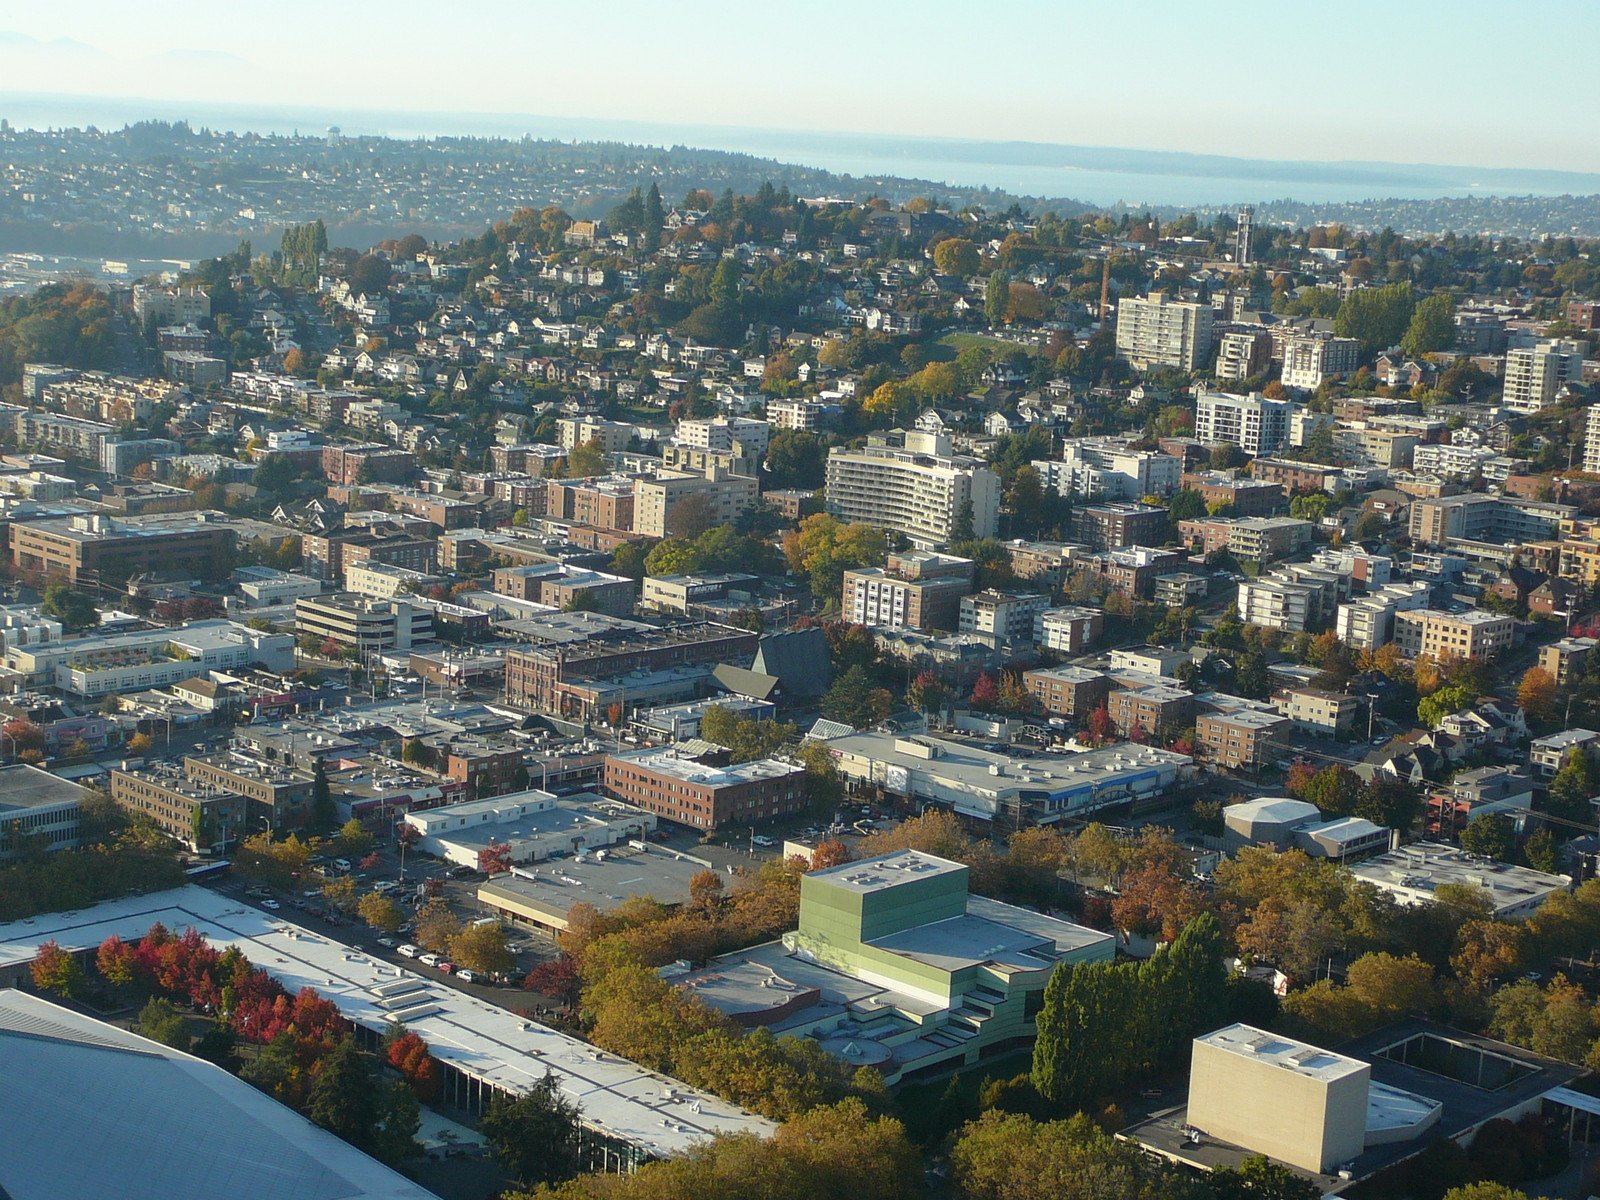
<point>429,960</point>
<point>341,864</point>
<point>408,950</point>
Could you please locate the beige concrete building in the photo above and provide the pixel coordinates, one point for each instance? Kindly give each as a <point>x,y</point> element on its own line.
<point>662,506</point>
<point>919,489</point>
<point>1275,1096</point>
<point>1319,711</point>
<point>1443,635</point>
<point>1567,659</point>
<point>1156,330</point>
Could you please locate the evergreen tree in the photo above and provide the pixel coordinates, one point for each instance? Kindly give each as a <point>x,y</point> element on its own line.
<point>535,1136</point>
<point>323,813</point>
<point>343,1100</point>
<point>997,298</point>
<point>655,216</point>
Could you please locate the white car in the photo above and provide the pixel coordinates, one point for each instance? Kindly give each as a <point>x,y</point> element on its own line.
<point>408,950</point>
<point>271,904</point>
<point>429,960</point>
<point>467,976</point>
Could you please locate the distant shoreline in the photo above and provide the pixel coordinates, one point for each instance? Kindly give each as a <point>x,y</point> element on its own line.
<point>1103,176</point>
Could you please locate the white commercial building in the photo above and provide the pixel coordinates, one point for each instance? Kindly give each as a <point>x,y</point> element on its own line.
<point>1256,424</point>
<point>1413,875</point>
<point>536,825</point>
<point>153,658</point>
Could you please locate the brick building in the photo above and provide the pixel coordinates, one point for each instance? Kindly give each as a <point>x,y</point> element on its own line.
<point>691,793</point>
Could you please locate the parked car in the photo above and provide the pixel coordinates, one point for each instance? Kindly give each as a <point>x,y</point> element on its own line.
<point>429,960</point>
<point>388,943</point>
<point>272,904</point>
<point>341,864</point>
<point>762,840</point>
<point>447,967</point>
<point>408,950</point>
<point>467,976</point>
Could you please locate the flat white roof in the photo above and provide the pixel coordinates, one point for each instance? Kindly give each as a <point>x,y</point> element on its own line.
<point>1285,1052</point>
<point>619,1098</point>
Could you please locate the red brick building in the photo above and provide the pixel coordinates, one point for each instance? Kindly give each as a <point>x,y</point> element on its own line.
<point>690,793</point>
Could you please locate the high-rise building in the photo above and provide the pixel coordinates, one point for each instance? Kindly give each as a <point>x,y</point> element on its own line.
<point>1156,331</point>
<point>919,489</point>
<point>1256,424</point>
<point>1535,374</point>
<point>1310,360</point>
<point>1591,442</point>
<point>1244,226</point>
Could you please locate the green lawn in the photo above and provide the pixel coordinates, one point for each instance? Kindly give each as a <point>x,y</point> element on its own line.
<point>957,342</point>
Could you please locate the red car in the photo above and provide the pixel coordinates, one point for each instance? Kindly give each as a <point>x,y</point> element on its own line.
<point>447,967</point>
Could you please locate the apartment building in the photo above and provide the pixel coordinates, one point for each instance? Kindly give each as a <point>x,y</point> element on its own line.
<point>1453,462</point>
<point>725,433</point>
<point>919,589</point>
<point>1443,635</point>
<point>1566,661</point>
<point>605,502</point>
<point>1275,603</point>
<point>95,548</point>
<point>1367,622</point>
<point>1319,711</point>
<point>1247,496</point>
<point>1267,539</point>
<point>55,433</point>
<point>690,793</point>
<point>1150,709</point>
<point>1112,526</point>
<point>330,556</point>
<point>1475,516</point>
<point>1003,618</point>
<point>919,489</point>
<point>613,436</point>
<point>361,623</point>
<point>171,305</point>
<point>1309,360</point>
<point>199,815</point>
<point>673,503</point>
<point>1243,354</point>
<point>1133,570</point>
<point>1072,692</point>
<point>1157,331</point>
<point>561,585</point>
<point>1591,441</point>
<point>1296,476</point>
<point>606,661</point>
<point>1240,739</point>
<point>366,463</point>
<point>274,794</point>
<point>1110,469</point>
<point>1256,424</point>
<point>806,413</point>
<point>1068,630</point>
<point>382,581</point>
<point>1536,374</point>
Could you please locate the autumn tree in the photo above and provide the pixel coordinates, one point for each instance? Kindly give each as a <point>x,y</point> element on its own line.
<point>1537,693</point>
<point>56,970</point>
<point>495,858</point>
<point>437,926</point>
<point>380,912</point>
<point>957,256</point>
<point>586,460</point>
<point>482,947</point>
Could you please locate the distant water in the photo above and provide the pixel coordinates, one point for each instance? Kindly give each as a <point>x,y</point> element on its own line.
<point>1099,175</point>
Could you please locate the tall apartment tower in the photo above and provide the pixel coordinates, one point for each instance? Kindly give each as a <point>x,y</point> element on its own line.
<point>1535,374</point>
<point>1156,331</point>
<point>1241,236</point>
<point>1591,442</point>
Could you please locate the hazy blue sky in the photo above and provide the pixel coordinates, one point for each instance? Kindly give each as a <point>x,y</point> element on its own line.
<point>1400,81</point>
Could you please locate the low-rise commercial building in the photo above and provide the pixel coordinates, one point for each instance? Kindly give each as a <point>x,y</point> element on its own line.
<point>37,810</point>
<point>362,623</point>
<point>997,787</point>
<point>532,825</point>
<point>705,797</point>
<point>98,549</point>
<point>1413,874</point>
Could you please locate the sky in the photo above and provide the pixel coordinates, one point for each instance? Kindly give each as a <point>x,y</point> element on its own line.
<point>1467,82</point>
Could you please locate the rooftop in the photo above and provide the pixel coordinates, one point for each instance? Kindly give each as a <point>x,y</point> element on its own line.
<point>667,762</point>
<point>216,1134</point>
<point>1420,869</point>
<point>879,874</point>
<point>1300,1057</point>
<point>23,786</point>
<point>619,1098</point>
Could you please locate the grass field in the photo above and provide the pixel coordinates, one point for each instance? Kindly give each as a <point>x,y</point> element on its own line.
<point>957,342</point>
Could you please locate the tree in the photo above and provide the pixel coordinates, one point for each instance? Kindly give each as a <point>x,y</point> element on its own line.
<point>1450,698</point>
<point>926,693</point>
<point>323,813</point>
<point>996,298</point>
<point>850,699</point>
<point>437,926</point>
<point>1432,325</point>
<point>114,961</point>
<point>1258,1178</point>
<point>161,1022</point>
<point>495,858</point>
<point>1571,787</point>
<point>1008,1156</point>
<point>534,1136</point>
<point>985,693</point>
<point>140,743</point>
<point>1542,852</point>
<point>957,256</point>
<point>482,948</point>
<point>1537,693</point>
<point>342,1096</point>
<point>1186,505</point>
<point>370,275</point>
<point>56,970</point>
<point>398,1119</point>
<point>354,839</point>
<point>1376,316</point>
<point>71,607</point>
<point>586,459</point>
<point>380,912</point>
<point>1491,836</point>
